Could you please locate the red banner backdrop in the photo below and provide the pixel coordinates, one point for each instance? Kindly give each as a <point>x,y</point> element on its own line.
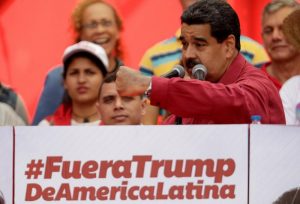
<point>33,35</point>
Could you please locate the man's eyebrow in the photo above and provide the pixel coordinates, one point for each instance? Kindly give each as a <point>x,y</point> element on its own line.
<point>109,96</point>
<point>201,39</point>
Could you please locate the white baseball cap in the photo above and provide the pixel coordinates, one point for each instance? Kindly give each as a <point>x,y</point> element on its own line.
<point>87,47</point>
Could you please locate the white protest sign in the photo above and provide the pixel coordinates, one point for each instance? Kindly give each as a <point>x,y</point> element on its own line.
<point>132,164</point>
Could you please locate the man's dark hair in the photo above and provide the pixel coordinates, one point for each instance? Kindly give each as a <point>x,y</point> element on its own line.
<point>109,78</point>
<point>221,17</point>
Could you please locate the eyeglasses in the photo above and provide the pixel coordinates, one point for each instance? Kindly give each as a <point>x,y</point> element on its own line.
<point>94,24</point>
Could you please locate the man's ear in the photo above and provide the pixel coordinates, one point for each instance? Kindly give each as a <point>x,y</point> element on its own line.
<point>230,46</point>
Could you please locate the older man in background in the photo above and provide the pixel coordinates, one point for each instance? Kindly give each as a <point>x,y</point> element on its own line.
<point>285,58</point>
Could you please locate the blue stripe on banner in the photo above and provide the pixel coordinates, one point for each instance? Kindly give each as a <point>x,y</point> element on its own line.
<point>146,71</point>
<point>248,56</point>
<point>259,66</point>
<point>168,41</point>
<point>165,58</point>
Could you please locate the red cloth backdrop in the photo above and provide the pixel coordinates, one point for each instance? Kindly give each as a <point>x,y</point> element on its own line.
<point>33,35</point>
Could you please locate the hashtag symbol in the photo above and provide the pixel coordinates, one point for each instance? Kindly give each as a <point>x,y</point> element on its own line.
<point>34,169</point>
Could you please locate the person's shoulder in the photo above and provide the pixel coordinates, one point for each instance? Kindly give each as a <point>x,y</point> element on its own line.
<point>5,108</point>
<point>9,116</point>
<point>291,85</point>
<point>252,70</point>
<point>54,75</point>
<point>55,70</point>
<point>293,81</point>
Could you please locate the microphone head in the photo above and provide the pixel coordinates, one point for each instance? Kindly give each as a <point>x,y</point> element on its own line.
<point>180,70</point>
<point>200,68</point>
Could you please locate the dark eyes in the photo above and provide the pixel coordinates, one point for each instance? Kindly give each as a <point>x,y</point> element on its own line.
<point>198,44</point>
<point>111,99</point>
<point>267,30</point>
<point>86,72</point>
<point>89,72</point>
<point>108,99</point>
<point>184,44</point>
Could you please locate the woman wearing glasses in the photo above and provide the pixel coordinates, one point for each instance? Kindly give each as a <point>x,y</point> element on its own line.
<point>95,21</point>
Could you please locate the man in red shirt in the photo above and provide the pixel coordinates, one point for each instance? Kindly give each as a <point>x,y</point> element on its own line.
<point>233,90</point>
<point>285,58</point>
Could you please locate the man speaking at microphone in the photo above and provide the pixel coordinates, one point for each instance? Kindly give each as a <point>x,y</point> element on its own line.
<point>233,90</point>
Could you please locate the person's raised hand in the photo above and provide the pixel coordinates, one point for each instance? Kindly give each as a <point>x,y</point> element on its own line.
<point>130,82</point>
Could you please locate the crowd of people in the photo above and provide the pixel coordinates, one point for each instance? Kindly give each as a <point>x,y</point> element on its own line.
<point>244,78</point>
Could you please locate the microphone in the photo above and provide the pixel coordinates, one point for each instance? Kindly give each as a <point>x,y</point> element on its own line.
<point>177,71</point>
<point>199,72</point>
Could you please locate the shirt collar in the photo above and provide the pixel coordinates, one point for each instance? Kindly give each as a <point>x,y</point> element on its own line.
<point>234,70</point>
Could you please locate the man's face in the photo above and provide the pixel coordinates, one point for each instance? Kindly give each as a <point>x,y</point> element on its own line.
<point>275,42</point>
<point>199,47</point>
<point>117,110</point>
<point>99,26</point>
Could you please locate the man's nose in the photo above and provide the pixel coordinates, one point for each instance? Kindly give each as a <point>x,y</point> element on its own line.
<point>81,77</point>
<point>119,103</point>
<point>277,34</point>
<point>190,52</point>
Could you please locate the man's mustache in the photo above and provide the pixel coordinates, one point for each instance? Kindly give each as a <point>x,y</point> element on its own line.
<point>191,63</point>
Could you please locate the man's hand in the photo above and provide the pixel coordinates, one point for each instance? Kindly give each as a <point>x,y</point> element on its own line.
<point>130,82</point>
